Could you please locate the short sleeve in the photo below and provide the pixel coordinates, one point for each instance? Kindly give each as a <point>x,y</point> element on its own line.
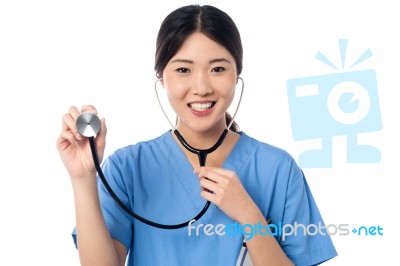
<point>119,223</point>
<point>303,238</point>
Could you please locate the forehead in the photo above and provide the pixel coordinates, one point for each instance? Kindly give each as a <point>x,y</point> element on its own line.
<point>199,46</point>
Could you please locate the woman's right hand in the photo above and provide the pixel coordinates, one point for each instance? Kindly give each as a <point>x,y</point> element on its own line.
<point>74,149</point>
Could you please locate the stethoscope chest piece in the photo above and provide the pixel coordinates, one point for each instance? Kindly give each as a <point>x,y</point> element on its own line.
<point>88,124</point>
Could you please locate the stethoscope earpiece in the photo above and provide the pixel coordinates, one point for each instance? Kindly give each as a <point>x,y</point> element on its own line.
<point>88,124</point>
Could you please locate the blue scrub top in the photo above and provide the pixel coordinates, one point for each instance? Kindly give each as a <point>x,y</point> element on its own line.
<point>156,180</point>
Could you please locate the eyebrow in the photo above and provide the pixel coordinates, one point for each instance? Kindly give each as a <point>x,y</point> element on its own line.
<point>216,60</point>
<point>219,60</point>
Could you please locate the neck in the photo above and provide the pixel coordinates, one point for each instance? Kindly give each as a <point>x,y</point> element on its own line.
<point>201,140</point>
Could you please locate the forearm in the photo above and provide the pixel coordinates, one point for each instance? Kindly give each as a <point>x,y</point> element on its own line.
<point>263,248</point>
<point>95,244</point>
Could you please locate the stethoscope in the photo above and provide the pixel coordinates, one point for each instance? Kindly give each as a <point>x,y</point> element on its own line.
<point>88,124</point>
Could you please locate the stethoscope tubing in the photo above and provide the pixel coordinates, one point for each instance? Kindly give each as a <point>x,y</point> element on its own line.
<point>202,154</point>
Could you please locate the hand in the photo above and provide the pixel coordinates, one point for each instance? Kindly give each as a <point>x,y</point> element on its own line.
<point>223,188</point>
<point>74,149</point>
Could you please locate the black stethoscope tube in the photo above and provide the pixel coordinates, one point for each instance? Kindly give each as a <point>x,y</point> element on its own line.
<point>202,154</point>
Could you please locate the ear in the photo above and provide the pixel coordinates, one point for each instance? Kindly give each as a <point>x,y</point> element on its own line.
<point>159,76</point>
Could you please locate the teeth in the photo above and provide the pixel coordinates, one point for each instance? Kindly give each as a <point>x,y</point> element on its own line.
<point>200,106</point>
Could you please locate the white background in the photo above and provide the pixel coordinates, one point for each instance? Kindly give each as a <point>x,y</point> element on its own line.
<point>58,53</point>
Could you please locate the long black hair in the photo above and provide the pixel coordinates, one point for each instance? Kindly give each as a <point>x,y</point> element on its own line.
<point>209,20</point>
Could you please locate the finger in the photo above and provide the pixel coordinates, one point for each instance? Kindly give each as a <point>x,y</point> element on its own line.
<point>207,195</point>
<point>65,139</point>
<point>89,108</point>
<point>209,185</point>
<point>101,136</point>
<point>212,175</point>
<point>218,170</point>
<point>69,124</point>
<point>74,112</point>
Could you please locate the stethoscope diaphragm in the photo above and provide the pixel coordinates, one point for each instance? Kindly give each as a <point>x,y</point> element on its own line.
<point>88,124</point>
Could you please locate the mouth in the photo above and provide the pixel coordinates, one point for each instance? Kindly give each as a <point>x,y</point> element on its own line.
<point>201,106</point>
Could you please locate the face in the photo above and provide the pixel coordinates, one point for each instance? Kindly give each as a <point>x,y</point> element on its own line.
<point>200,81</point>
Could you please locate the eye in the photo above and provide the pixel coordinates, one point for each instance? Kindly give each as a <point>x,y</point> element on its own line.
<point>182,70</point>
<point>218,69</point>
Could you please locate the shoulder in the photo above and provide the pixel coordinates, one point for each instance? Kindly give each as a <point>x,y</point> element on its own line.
<point>272,162</point>
<point>267,151</point>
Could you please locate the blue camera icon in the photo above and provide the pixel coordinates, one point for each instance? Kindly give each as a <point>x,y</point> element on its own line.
<point>325,106</point>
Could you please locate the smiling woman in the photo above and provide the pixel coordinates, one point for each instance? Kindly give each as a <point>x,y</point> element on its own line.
<point>200,80</point>
<point>198,61</point>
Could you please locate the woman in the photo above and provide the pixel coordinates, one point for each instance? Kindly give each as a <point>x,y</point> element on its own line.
<point>198,63</point>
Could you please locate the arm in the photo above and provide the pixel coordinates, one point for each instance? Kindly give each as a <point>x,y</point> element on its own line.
<point>231,197</point>
<point>95,245</point>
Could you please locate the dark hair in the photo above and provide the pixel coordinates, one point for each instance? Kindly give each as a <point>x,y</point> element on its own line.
<point>212,22</point>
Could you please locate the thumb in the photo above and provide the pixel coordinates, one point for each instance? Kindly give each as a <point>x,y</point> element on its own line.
<point>101,136</point>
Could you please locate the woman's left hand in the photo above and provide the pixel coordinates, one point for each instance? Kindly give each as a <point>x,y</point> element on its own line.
<point>223,188</point>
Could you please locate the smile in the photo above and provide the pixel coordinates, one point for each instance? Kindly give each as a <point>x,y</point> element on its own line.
<point>200,107</point>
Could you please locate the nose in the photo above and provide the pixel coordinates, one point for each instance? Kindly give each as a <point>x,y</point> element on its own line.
<point>201,85</point>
